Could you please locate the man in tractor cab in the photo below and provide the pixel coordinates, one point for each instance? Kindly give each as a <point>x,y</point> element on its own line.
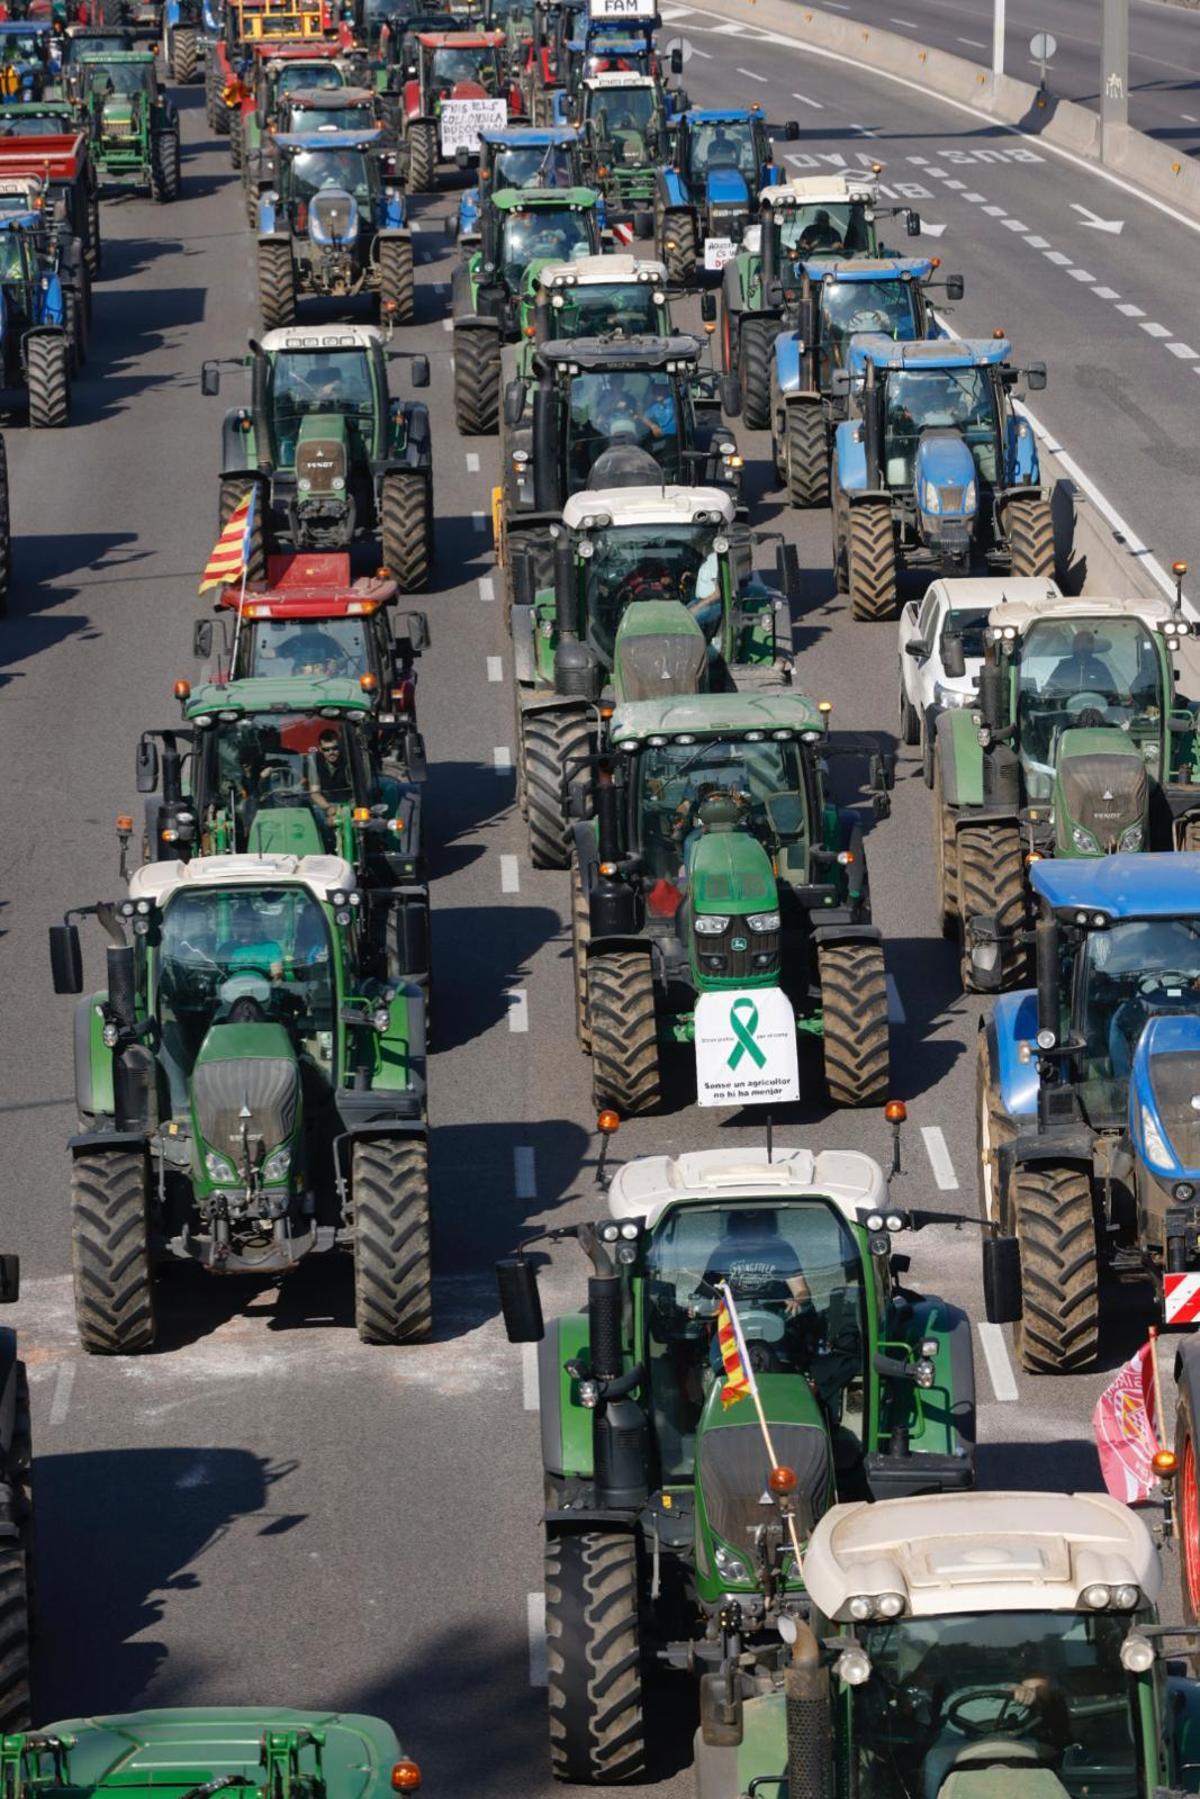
<point>821,234</point>
<point>1083,671</point>
<point>250,947</point>
<point>331,782</point>
<point>315,652</point>
<point>758,1265</point>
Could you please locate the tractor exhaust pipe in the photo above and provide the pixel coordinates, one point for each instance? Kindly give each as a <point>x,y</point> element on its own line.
<point>1045,936</point>
<point>806,1697</point>
<point>619,1423</point>
<point>564,590</point>
<point>991,690</point>
<point>133,1064</point>
<point>611,908</point>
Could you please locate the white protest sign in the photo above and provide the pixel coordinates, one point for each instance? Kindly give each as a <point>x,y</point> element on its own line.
<point>718,251</point>
<point>622,9</point>
<point>746,1048</point>
<point>463,120</point>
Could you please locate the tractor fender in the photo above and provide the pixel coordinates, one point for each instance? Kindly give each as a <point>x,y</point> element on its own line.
<point>85,1141</point>
<point>587,852</point>
<point>960,758</point>
<point>270,222</point>
<point>391,213</point>
<point>1013,1023</point>
<point>566,1428</point>
<point>1021,454</point>
<point>557,702</point>
<point>599,946</point>
<point>850,458</point>
<point>571,1523</point>
<point>1071,1145</point>
<point>558,107</point>
<point>462,290</point>
<point>671,188</point>
<point>846,933</point>
<point>9,1364</point>
<point>948,1407</point>
<point>387,1127</point>
<point>476,321</point>
<point>235,441</point>
<point>93,1061</point>
<point>524,650</point>
<point>787,350</point>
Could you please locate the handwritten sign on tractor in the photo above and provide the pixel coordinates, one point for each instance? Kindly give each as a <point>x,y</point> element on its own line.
<point>746,1048</point>
<point>463,120</point>
<point>622,9</point>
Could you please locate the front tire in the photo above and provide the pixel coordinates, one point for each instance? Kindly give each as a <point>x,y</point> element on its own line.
<point>237,137</point>
<point>48,372</point>
<point>550,742</point>
<point>422,157</point>
<point>397,281</point>
<point>276,285</point>
<point>406,529</point>
<point>1059,1330</point>
<point>5,533</point>
<point>15,1707</point>
<point>754,367</point>
<point>1030,535</point>
<point>626,1072</point>
<point>393,1279</point>
<point>110,1252</point>
<point>910,718</point>
<point>871,560</point>
<point>184,60</point>
<point>854,1004</point>
<point>593,1653</point>
<point>164,172</point>
<point>581,936</point>
<point>477,382</point>
<point>807,456</point>
<point>679,229</point>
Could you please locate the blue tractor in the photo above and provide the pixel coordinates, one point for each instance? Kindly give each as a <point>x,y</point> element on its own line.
<point>835,301</point>
<point>933,469</point>
<point>525,156</point>
<point>721,159</point>
<point>334,225</point>
<point>34,339</point>
<point>30,58</point>
<point>1088,1091</point>
<point>607,46</point>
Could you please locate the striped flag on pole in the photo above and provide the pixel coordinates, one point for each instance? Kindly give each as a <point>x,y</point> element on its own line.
<point>230,559</point>
<point>739,1382</point>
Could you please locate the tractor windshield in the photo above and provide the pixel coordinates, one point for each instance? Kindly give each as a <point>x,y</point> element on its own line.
<point>834,228</point>
<point>248,956</point>
<point>656,562</point>
<point>295,76</point>
<point>334,118</point>
<point>1076,672</point>
<point>532,165</point>
<point>728,145</point>
<point>543,233</point>
<point>627,115</point>
<point>917,400</point>
<point>21,47</point>
<point>1002,1703</point>
<point>671,781</point>
<point>638,407</point>
<point>12,266</point>
<point>796,1278</point>
<point>290,647</point>
<point>37,125</point>
<point>607,309</point>
<point>888,308</point>
<point>323,381</point>
<point>76,48</point>
<point>121,78</point>
<point>1128,974</point>
<point>311,172</point>
<point>271,763</point>
<point>464,67</point>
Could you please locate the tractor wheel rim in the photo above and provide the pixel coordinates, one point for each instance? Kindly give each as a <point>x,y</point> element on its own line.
<point>985,1155</point>
<point>1191,1525</point>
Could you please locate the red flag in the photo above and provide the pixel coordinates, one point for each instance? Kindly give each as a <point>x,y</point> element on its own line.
<point>1125,1422</point>
<point>738,1382</point>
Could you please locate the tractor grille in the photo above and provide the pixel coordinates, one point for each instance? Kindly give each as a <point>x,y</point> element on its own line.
<point>1175,1083</point>
<point>738,952</point>
<point>651,666</point>
<point>1104,794</point>
<point>269,1087</point>
<point>321,462</point>
<point>332,217</point>
<point>733,1471</point>
<point>952,499</point>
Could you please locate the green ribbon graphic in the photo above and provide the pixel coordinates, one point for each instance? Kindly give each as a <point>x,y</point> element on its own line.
<point>745,1033</point>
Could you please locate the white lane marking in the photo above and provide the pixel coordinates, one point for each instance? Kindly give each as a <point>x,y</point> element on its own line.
<point>1152,329</point>
<point>479,521</point>
<point>896,1012</point>
<point>864,130</point>
<point>530,1397</point>
<point>697,51</point>
<point>524,1172</point>
<point>1131,311</point>
<point>472,462</point>
<point>922,162</point>
<point>502,759</point>
<point>487,588</point>
<point>956,187</point>
<point>60,1405</point>
<point>447,324</point>
<point>1094,222</point>
<point>518,1010</point>
<point>939,1157</point>
<point>1189,118</point>
<point>1082,275</point>
<point>495,668</point>
<point>1057,257</point>
<point>1037,243</point>
<point>805,101</point>
<point>751,76</point>
<point>975,43</point>
<point>929,229</point>
<point>1015,225</point>
<point>535,1603</point>
<point>1184,352</point>
<point>975,199</point>
<point>907,24</point>
<point>1106,293</point>
<point>995,1354</point>
<point>994,212</point>
<point>510,875</point>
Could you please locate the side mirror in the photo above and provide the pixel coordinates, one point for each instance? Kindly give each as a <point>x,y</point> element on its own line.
<point>677,60</point>
<point>462,157</point>
<point>787,570</point>
<point>416,629</point>
<point>1035,375</point>
<point>420,371</point>
<point>66,958</point>
<point>520,1301</point>
<point>708,308</point>
<point>10,1280</point>
<point>210,379</point>
<point>839,381</point>
<point>643,224</point>
<point>1002,1280</point>
<point>514,403</point>
<point>954,659</point>
<point>955,287</point>
<point>202,641</point>
<point>146,765</point>
<point>916,646</point>
<point>731,395</point>
<point>912,223</point>
<point>791,130</point>
<point>451,225</point>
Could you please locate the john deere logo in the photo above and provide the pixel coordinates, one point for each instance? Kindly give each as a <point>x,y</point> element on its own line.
<point>744,1032</point>
<point>739,943</point>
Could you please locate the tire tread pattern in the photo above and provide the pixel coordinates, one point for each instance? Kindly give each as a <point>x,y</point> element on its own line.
<point>854,1004</point>
<point>871,560</point>
<point>406,528</point>
<point>110,1252</point>
<point>393,1283</point>
<point>593,1655</point>
<point>477,382</point>
<point>549,742</point>
<point>1056,1225</point>
<point>626,1069</point>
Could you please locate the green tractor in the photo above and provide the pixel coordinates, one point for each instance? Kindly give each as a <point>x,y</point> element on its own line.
<point>646,600</point>
<point>718,862</point>
<point>618,295</point>
<point>1079,746</point>
<point>248,1094</point>
<point>521,230</point>
<point>670,1530</point>
<point>624,122</point>
<point>134,126</point>
<point>333,457</point>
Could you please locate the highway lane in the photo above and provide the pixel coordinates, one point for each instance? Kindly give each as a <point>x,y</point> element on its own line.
<point>1164,51</point>
<point>265,1507</point>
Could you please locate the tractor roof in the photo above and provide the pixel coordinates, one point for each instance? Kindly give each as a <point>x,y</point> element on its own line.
<point>276,693</point>
<point>24,27</point>
<point>619,78</point>
<point>872,268</point>
<point>119,56</point>
<point>157,881</point>
<point>590,353</point>
<point>979,1552</point>
<point>649,506</point>
<point>20,221</point>
<point>327,140</point>
<point>838,186</point>
<point>1042,600</point>
<point>982,592</point>
<point>332,99</point>
<point>305,51</point>
<point>645,1188</point>
<point>512,199</point>
<point>530,137</point>
<point>1157,885</point>
<point>716,715</point>
<point>315,338</point>
<point>724,115</point>
<point>598,271</point>
<point>461,40</point>
<point>311,584</point>
<point>934,353</point>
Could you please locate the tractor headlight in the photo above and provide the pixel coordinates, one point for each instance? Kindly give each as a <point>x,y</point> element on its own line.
<point>111,1035</point>
<point>1084,842</point>
<point>1097,1597</point>
<point>729,1565</point>
<point>337,483</point>
<point>763,921</point>
<point>853,1666</point>
<point>219,1167</point>
<point>278,1164</point>
<point>1131,839</point>
<point>1137,1653</point>
<point>1156,1150</point>
<point>889,1605</point>
<point>712,924</point>
<point>1126,1596</point>
<point>931,499</point>
<point>304,484</point>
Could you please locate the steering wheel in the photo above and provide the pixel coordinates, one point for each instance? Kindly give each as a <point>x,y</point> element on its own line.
<point>1012,1715</point>
<point>1162,979</point>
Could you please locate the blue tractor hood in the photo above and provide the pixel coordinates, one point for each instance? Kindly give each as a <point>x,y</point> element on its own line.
<point>726,187</point>
<point>1164,1093</point>
<point>944,485</point>
<point>333,217</point>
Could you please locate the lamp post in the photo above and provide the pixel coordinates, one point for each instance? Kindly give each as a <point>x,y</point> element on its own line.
<point>1114,69</point>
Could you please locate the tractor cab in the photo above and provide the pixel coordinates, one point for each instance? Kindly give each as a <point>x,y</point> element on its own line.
<point>134,126</point>
<point>306,111</point>
<point>29,59</point>
<point>521,230</point>
<point>459,66</point>
<point>524,157</point>
<point>727,153</point>
<point>617,296</point>
<point>283,69</point>
<point>813,217</point>
<point>91,40</point>
<point>324,409</point>
<point>624,122</point>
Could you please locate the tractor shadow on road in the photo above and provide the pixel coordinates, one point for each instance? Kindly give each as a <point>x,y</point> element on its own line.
<point>465,798</point>
<point>486,1174</point>
<point>477,967</point>
<point>45,564</point>
<point>125,1528</point>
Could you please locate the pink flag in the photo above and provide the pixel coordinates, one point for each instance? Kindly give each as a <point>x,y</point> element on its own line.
<point>1125,1425</point>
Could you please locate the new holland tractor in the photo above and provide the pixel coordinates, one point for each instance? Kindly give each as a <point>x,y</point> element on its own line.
<point>248,1094</point>
<point>35,348</point>
<point>707,194</point>
<point>303,111</point>
<point>134,127</point>
<point>646,600</point>
<point>668,1537</point>
<point>274,70</point>
<point>522,229</point>
<point>333,227</point>
<point>836,301</point>
<point>933,469</point>
<point>1079,746</point>
<point>333,457</point>
<point>717,860</point>
<point>527,156</point>
<point>1089,1153</point>
<point>969,1646</point>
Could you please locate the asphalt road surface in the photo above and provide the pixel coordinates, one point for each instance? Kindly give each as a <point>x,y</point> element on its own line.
<point>264,1508</point>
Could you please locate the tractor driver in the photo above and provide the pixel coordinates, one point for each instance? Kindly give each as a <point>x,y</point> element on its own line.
<point>250,948</point>
<point>313,653</point>
<point>1083,671</point>
<point>332,783</point>
<point>325,386</point>
<point>821,234</point>
<point>760,1268</point>
<point>722,152</point>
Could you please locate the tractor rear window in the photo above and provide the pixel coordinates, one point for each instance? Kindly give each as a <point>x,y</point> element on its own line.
<point>12,267</point>
<point>1078,672</point>
<point>537,165</point>
<point>121,78</point>
<point>20,49</point>
<point>269,763</point>
<point>724,146</point>
<point>329,647</point>
<point>302,75</point>
<point>634,407</point>
<point>885,307</point>
<point>832,229</point>
<point>796,1278</point>
<point>765,780</point>
<point>550,234</point>
<point>333,118</point>
<point>608,309</point>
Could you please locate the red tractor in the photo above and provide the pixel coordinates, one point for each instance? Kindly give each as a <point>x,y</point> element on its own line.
<point>457,89</point>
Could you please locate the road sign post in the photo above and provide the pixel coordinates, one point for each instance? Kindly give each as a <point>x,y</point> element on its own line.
<point>998,37</point>
<point>1114,70</point>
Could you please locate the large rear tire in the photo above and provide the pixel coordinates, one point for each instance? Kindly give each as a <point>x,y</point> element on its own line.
<point>422,157</point>
<point>593,1657</point>
<point>991,879</point>
<point>237,137</point>
<point>393,1278</point>
<point>276,284</point>
<point>871,560</point>
<point>48,372</point>
<point>164,166</point>
<point>406,528</point>
<point>1030,535</point>
<point>550,742</point>
<point>807,455</point>
<point>15,1706</point>
<point>232,491</point>
<point>397,281</point>
<point>679,230</point>
<point>854,1004</point>
<point>110,1252</point>
<point>93,254</point>
<point>184,60</point>
<point>754,368</point>
<point>477,382</point>
<point>1188,1521</point>
<point>581,936</point>
<point>1059,1330</point>
<point>626,1072</point>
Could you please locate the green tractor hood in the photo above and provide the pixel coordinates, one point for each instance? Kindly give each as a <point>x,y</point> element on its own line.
<point>659,649</point>
<point>732,1466</point>
<point>322,459</point>
<point>729,876</point>
<point>1101,793</point>
<point>245,1094</point>
<point>285,831</point>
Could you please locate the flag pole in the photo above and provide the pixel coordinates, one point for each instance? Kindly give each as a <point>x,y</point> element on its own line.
<point>785,1499</point>
<point>1159,1417</point>
<point>241,611</point>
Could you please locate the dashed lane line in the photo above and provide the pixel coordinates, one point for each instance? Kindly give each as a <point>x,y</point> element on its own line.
<point>502,759</point>
<point>751,76</point>
<point>472,462</point>
<point>510,875</point>
<point>1131,311</point>
<point>805,101</point>
<point>530,1396</point>
<point>995,1354</point>
<point>939,1157</point>
<point>1153,329</point>
<point>535,1603</point>
<point>487,588</point>
<point>524,1173</point>
<point>518,1011</point>
<point>495,669</point>
<point>1082,276</point>
<point>60,1405</point>
<point>1184,352</point>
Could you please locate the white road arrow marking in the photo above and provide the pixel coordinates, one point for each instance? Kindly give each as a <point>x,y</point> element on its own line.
<point>928,230</point>
<point>1113,226</point>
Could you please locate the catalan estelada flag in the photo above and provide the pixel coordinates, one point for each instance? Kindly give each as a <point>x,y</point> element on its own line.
<point>738,1381</point>
<point>231,554</point>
